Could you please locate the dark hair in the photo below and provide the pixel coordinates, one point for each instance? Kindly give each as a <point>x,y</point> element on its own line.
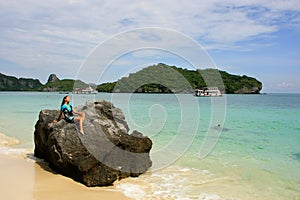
<point>63,101</point>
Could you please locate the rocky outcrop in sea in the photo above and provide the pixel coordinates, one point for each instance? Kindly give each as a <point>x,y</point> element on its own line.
<point>103,155</point>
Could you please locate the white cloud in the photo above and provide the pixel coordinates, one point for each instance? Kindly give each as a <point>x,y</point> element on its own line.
<point>284,85</point>
<point>61,33</point>
<point>141,47</point>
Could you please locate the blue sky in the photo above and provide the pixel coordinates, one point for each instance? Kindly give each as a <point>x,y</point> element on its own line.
<point>259,38</point>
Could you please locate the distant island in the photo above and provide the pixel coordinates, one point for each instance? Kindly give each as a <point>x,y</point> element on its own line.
<point>10,83</point>
<point>54,84</point>
<point>160,78</point>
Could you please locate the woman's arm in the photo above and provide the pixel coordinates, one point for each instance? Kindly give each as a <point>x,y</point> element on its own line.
<point>59,117</point>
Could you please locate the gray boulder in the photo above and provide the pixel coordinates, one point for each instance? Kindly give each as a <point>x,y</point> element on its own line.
<point>104,154</point>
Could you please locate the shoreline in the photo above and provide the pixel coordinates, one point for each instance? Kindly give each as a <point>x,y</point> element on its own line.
<point>254,159</point>
<point>35,180</point>
<point>6,141</point>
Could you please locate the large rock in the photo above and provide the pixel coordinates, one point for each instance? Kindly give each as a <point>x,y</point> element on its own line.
<point>106,153</point>
<point>52,78</point>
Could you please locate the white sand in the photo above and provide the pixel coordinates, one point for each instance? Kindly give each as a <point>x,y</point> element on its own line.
<point>27,180</point>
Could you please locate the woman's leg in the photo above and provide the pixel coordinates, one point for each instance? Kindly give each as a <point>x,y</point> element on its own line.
<point>80,118</point>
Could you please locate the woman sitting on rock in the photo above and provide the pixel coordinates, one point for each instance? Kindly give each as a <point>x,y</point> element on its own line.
<point>68,111</point>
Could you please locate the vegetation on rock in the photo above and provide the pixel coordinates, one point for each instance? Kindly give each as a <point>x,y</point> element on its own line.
<point>65,85</point>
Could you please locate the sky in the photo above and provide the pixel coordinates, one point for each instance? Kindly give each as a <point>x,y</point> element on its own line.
<point>100,41</point>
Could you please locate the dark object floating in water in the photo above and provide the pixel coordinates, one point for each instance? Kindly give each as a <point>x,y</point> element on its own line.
<point>296,156</point>
<point>218,127</point>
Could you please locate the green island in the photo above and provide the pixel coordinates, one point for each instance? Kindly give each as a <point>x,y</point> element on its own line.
<point>10,83</point>
<point>162,78</point>
<point>159,78</point>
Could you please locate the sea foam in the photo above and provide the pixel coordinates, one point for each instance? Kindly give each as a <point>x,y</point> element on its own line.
<point>6,141</point>
<point>174,182</point>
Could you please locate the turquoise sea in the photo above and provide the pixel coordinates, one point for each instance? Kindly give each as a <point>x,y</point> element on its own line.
<point>253,141</point>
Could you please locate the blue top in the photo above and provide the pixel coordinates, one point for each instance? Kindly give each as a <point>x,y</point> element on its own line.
<point>68,112</point>
<point>68,107</point>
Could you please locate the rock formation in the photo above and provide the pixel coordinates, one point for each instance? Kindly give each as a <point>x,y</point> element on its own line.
<point>104,154</point>
<point>52,78</point>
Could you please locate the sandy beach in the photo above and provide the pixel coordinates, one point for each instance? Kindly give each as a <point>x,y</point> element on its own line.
<point>23,178</point>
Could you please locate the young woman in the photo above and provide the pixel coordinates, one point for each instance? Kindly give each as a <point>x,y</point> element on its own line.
<point>68,111</point>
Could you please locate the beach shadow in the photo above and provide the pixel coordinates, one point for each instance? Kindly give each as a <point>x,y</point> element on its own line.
<point>40,162</point>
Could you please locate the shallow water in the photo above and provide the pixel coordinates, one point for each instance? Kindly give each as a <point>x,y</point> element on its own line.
<point>255,157</point>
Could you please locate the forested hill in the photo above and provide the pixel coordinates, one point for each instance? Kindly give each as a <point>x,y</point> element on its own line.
<point>162,78</point>
<point>10,83</point>
<point>159,78</point>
